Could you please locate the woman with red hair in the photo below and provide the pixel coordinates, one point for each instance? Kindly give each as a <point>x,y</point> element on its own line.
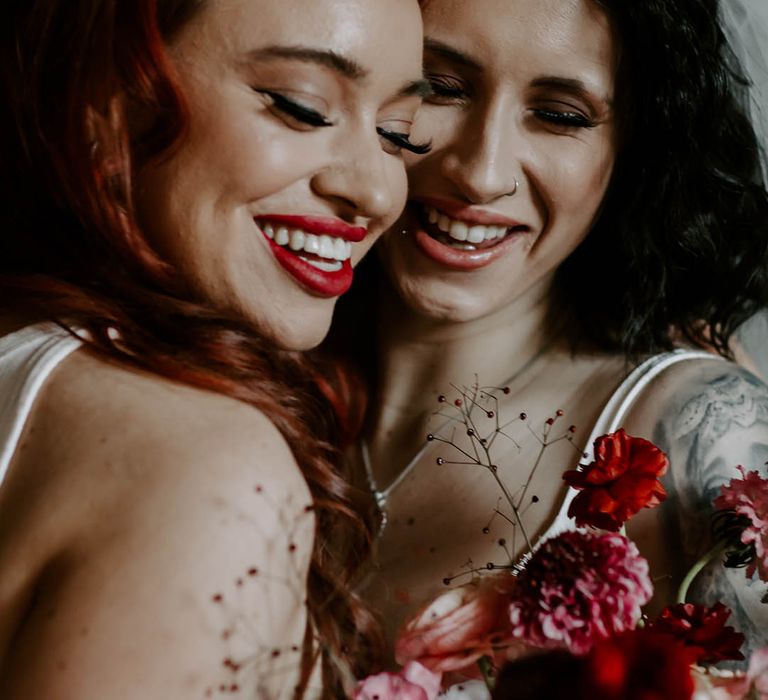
<point>186,187</point>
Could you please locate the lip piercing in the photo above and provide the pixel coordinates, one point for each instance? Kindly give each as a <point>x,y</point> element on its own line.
<point>510,194</point>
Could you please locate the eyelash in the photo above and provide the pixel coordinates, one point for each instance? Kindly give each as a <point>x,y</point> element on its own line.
<point>305,115</point>
<point>448,90</point>
<point>311,117</point>
<point>572,120</point>
<point>404,142</point>
<point>445,90</point>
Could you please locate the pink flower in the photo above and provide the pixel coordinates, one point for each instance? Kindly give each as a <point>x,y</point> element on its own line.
<point>414,682</point>
<point>460,626</point>
<point>577,588</point>
<point>712,684</point>
<point>748,497</point>
<point>621,481</point>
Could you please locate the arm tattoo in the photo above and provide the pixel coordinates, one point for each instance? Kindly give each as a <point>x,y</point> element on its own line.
<point>715,426</point>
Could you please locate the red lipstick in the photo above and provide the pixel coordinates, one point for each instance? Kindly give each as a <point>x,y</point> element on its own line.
<point>319,282</point>
<point>322,283</point>
<point>319,225</point>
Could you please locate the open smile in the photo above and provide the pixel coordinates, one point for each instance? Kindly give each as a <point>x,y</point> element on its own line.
<point>463,242</point>
<point>315,251</point>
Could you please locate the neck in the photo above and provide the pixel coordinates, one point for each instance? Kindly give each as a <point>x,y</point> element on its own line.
<point>421,357</point>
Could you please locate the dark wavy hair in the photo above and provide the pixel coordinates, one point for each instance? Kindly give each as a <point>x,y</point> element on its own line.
<point>71,250</point>
<point>681,245</point>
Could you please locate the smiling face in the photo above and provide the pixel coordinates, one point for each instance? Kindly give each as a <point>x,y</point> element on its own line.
<point>523,133</point>
<point>292,161</point>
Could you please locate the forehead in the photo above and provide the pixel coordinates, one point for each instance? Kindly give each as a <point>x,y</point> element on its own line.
<point>376,33</point>
<point>541,35</point>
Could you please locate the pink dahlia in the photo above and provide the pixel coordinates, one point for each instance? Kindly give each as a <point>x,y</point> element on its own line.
<point>577,588</point>
<point>748,497</point>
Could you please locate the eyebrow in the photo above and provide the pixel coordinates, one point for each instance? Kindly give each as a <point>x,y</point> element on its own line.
<point>570,84</point>
<point>342,65</point>
<point>456,56</point>
<point>452,54</point>
<point>420,88</point>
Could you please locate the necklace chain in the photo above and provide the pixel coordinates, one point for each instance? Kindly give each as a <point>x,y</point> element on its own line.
<point>381,496</point>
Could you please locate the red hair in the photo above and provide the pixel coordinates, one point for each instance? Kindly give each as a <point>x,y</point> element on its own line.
<point>71,250</point>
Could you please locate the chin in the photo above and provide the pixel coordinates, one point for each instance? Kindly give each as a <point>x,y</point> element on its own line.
<point>443,304</point>
<point>300,332</point>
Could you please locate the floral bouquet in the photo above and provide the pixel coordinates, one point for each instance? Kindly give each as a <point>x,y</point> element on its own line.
<point>566,620</point>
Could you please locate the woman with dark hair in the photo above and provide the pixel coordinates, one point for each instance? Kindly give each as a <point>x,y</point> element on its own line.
<point>590,215</point>
<point>186,185</point>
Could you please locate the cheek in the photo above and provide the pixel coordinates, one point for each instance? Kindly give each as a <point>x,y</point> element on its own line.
<point>244,156</point>
<point>576,187</point>
<point>398,186</point>
<point>441,126</point>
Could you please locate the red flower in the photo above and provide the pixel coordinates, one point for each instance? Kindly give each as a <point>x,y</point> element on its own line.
<point>748,497</point>
<point>621,481</point>
<point>636,665</point>
<point>460,626</point>
<point>702,631</point>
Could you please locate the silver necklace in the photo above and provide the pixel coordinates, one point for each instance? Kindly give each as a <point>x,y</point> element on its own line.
<point>381,496</point>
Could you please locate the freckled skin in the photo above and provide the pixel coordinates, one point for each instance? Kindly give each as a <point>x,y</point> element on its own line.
<point>174,524</point>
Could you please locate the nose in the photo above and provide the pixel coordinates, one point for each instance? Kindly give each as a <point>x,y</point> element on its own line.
<point>481,163</point>
<point>360,180</point>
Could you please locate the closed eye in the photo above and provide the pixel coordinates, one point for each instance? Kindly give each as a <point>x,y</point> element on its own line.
<point>568,119</point>
<point>295,110</point>
<point>403,142</point>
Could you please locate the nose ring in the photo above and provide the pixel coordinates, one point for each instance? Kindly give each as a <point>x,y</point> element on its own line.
<point>510,194</point>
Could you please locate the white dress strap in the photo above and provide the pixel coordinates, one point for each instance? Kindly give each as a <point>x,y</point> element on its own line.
<point>27,359</point>
<point>614,413</point>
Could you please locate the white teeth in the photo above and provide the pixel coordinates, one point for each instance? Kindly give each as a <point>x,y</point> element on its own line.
<point>460,231</point>
<point>477,234</point>
<point>312,244</point>
<point>281,236</point>
<point>340,248</point>
<point>326,247</point>
<point>333,249</point>
<point>325,266</point>
<point>297,240</point>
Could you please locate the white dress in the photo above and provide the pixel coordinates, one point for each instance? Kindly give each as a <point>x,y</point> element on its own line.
<point>27,359</point>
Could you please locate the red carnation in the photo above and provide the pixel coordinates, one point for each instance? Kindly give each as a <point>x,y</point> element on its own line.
<point>623,479</point>
<point>703,632</point>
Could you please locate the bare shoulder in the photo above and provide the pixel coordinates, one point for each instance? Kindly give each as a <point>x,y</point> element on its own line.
<point>168,532</point>
<point>710,413</point>
<point>710,417</point>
